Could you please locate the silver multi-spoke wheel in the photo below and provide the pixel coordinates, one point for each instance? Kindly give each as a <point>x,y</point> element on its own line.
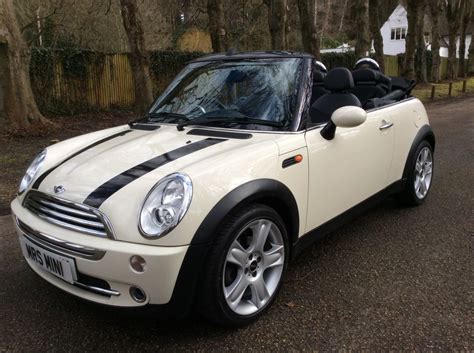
<point>253,267</point>
<point>423,172</point>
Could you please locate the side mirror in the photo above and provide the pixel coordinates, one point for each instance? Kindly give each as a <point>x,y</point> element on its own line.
<point>349,116</point>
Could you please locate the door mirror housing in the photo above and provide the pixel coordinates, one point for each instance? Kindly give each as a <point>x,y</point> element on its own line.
<point>348,116</point>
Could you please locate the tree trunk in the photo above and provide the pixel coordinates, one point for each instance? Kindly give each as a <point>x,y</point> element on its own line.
<point>277,19</point>
<point>462,40</point>
<point>138,56</point>
<point>420,63</point>
<point>362,45</point>
<point>324,17</point>
<point>375,24</point>
<point>470,61</point>
<point>343,14</point>
<point>435,7</point>
<point>453,16</point>
<point>410,40</point>
<point>21,111</point>
<point>217,25</point>
<point>308,10</point>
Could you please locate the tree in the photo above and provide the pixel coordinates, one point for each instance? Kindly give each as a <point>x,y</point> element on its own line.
<point>470,62</point>
<point>467,13</point>
<point>375,24</point>
<point>453,11</point>
<point>362,44</point>
<point>308,10</point>
<point>138,56</point>
<point>410,40</point>
<point>420,63</point>
<point>435,8</point>
<point>21,111</point>
<point>277,22</point>
<point>217,25</point>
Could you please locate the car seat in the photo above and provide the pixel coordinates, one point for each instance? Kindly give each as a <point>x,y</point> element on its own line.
<point>339,83</point>
<point>366,85</point>
<point>317,89</point>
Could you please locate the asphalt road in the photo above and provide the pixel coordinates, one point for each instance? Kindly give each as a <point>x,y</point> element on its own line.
<point>393,279</point>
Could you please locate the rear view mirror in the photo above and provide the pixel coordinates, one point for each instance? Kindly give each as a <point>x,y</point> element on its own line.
<point>348,116</point>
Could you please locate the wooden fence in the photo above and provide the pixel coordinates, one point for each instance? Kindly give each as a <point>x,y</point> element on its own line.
<point>108,84</point>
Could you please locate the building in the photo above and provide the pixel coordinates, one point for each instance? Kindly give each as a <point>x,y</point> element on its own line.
<point>394,32</point>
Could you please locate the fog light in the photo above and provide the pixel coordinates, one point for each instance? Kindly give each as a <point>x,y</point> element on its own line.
<point>138,263</point>
<point>137,294</point>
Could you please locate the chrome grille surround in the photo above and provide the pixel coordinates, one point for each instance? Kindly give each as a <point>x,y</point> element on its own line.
<point>56,245</point>
<point>68,214</point>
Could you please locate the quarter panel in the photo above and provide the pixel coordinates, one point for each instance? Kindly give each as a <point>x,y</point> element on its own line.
<point>408,116</point>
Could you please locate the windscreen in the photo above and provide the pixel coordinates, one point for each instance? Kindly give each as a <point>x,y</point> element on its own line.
<point>264,89</point>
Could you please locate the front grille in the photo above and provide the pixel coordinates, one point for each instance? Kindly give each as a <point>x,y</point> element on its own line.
<point>68,214</point>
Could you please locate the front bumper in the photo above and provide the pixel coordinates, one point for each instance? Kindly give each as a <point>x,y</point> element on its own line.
<point>103,265</point>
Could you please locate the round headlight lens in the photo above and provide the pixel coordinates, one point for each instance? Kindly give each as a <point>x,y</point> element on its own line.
<point>31,172</point>
<point>166,205</point>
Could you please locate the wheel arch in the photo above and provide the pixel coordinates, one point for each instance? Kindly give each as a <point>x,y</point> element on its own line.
<point>269,192</point>
<point>425,133</point>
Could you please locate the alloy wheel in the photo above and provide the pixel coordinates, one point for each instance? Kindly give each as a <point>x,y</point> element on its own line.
<point>423,172</point>
<point>253,267</point>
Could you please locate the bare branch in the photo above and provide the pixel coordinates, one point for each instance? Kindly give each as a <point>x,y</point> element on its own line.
<point>55,10</point>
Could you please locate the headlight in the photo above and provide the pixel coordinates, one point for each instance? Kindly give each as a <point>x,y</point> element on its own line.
<point>30,174</point>
<point>165,205</point>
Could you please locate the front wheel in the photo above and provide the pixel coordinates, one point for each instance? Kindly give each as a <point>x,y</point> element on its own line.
<point>420,176</point>
<point>245,266</point>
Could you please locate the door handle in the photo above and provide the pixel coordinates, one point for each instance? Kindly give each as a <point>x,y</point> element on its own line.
<point>385,125</point>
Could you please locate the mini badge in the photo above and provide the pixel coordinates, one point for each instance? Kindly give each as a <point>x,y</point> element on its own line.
<point>59,189</point>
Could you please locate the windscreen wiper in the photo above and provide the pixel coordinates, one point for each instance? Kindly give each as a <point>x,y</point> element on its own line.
<point>241,120</point>
<point>157,116</point>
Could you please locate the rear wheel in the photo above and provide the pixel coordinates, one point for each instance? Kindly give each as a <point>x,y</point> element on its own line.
<point>245,267</point>
<point>420,176</point>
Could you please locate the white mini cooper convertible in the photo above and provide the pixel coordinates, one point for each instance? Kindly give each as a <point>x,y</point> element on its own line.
<point>243,161</point>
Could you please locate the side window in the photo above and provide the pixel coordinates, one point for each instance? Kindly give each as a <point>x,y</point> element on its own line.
<point>398,33</point>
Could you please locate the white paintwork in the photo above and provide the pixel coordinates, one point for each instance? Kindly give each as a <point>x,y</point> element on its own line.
<point>443,51</point>
<point>332,177</point>
<point>398,19</point>
<point>349,116</point>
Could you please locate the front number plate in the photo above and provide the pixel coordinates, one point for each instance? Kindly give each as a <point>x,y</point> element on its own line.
<point>60,266</point>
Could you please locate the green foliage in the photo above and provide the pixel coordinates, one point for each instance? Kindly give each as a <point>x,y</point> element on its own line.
<point>59,76</point>
<point>330,42</point>
<point>332,60</point>
<point>75,61</point>
<point>42,64</point>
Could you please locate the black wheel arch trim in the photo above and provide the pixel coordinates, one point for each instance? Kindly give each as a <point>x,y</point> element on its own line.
<point>252,191</point>
<point>189,274</point>
<point>425,133</point>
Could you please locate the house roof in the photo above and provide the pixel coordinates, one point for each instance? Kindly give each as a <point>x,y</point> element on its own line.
<point>443,23</point>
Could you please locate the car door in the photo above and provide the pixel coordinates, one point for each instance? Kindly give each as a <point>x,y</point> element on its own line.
<point>348,169</point>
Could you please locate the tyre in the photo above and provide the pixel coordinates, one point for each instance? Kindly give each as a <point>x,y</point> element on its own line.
<point>420,176</point>
<point>245,267</point>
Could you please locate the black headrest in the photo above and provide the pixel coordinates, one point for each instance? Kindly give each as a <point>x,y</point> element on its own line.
<point>318,76</point>
<point>385,79</point>
<point>365,75</point>
<point>339,79</point>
